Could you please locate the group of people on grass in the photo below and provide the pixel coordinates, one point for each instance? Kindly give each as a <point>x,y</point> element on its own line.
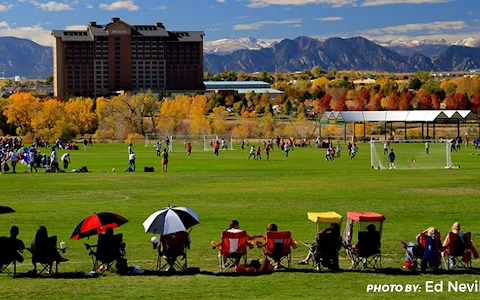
<point>325,249</point>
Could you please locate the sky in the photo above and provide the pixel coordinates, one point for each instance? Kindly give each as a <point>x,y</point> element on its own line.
<point>264,19</point>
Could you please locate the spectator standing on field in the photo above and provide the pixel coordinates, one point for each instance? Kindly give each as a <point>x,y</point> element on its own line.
<point>216,146</point>
<point>90,141</point>
<point>164,160</point>
<point>31,160</point>
<point>131,160</point>
<point>53,161</point>
<point>267,151</point>
<point>85,144</point>
<point>65,160</point>
<point>14,159</point>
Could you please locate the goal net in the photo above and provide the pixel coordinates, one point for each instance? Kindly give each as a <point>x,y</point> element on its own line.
<point>427,154</point>
<point>225,141</point>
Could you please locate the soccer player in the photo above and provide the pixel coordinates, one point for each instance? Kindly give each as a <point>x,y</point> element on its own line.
<point>267,151</point>
<point>259,153</point>
<point>427,147</point>
<point>349,149</point>
<point>385,148</point>
<point>252,152</point>
<point>391,158</point>
<point>189,149</point>
<point>242,145</point>
<point>328,155</point>
<point>66,160</point>
<point>158,147</point>
<point>339,149</point>
<point>286,147</point>
<point>216,146</point>
<point>354,151</point>
<point>130,148</point>
<point>31,160</point>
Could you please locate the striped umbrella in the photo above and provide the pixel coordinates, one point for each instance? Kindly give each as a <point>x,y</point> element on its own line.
<point>170,220</point>
<point>96,224</point>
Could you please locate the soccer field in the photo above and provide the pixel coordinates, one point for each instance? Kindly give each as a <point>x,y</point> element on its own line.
<point>256,193</point>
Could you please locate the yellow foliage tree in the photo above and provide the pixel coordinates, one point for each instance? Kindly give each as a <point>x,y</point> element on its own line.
<point>20,110</point>
<point>80,112</point>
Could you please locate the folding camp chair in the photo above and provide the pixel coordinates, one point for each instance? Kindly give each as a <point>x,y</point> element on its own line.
<point>366,253</point>
<point>108,251</point>
<point>458,253</point>
<point>278,246</point>
<point>174,251</point>
<point>233,247</point>
<point>7,258</point>
<point>46,254</point>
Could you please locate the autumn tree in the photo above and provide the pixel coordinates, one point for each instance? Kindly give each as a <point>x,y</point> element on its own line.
<point>406,101</point>
<point>456,101</point>
<point>20,110</point>
<point>324,104</point>
<point>362,99</point>
<point>435,102</point>
<point>392,103</point>
<point>449,86</point>
<point>475,104</point>
<point>375,102</point>
<point>340,104</point>
<point>80,112</point>
<point>424,100</point>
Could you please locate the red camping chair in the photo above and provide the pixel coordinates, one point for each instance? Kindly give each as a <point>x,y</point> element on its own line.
<point>233,247</point>
<point>173,250</point>
<point>366,253</point>
<point>278,246</point>
<point>458,252</point>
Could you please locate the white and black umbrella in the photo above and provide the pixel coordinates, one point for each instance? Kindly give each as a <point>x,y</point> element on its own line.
<point>170,220</point>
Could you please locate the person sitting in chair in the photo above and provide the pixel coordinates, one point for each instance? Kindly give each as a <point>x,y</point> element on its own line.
<point>456,244</point>
<point>15,246</point>
<point>109,248</point>
<point>429,248</point>
<point>368,241</point>
<point>44,249</point>
<point>173,245</point>
<point>328,243</point>
<point>234,227</point>
<point>278,246</point>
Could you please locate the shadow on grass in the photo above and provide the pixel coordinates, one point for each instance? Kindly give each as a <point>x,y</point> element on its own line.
<point>197,271</point>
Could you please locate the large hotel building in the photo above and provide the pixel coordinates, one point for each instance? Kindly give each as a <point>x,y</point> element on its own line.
<point>106,59</point>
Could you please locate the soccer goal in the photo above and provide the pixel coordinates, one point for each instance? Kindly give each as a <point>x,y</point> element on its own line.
<point>426,154</point>
<point>225,141</point>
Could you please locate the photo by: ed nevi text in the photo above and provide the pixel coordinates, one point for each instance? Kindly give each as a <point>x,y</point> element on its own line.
<point>430,286</point>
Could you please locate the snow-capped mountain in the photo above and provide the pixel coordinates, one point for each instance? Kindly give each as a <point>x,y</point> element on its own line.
<point>228,45</point>
<point>469,42</point>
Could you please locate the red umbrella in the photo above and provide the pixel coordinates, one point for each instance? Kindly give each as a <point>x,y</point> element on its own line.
<point>96,224</point>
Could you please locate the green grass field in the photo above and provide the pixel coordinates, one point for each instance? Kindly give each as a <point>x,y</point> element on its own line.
<point>229,187</point>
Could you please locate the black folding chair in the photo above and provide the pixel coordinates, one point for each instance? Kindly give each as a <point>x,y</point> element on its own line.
<point>45,253</point>
<point>7,257</point>
<point>109,250</point>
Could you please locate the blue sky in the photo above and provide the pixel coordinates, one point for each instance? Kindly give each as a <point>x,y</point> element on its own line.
<point>266,19</point>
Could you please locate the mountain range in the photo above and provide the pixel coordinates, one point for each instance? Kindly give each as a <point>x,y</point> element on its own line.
<point>27,59</point>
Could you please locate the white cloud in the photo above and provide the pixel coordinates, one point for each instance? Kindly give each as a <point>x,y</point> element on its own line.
<point>259,25</point>
<point>449,38</point>
<point>49,6</point>
<point>339,3</point>
<point>76,27</point>
<point>418,27</point>
<point>3,24</point>
<point>5,6</point>
<point>122,4</point>
<point>213,29</point>
<point>242,17</point>
<point>330,19</point>
<point>161,7</point>
<point>265,3</point>
<point>387,2</point>
<point>35,33</point>
<point>222,1</point>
